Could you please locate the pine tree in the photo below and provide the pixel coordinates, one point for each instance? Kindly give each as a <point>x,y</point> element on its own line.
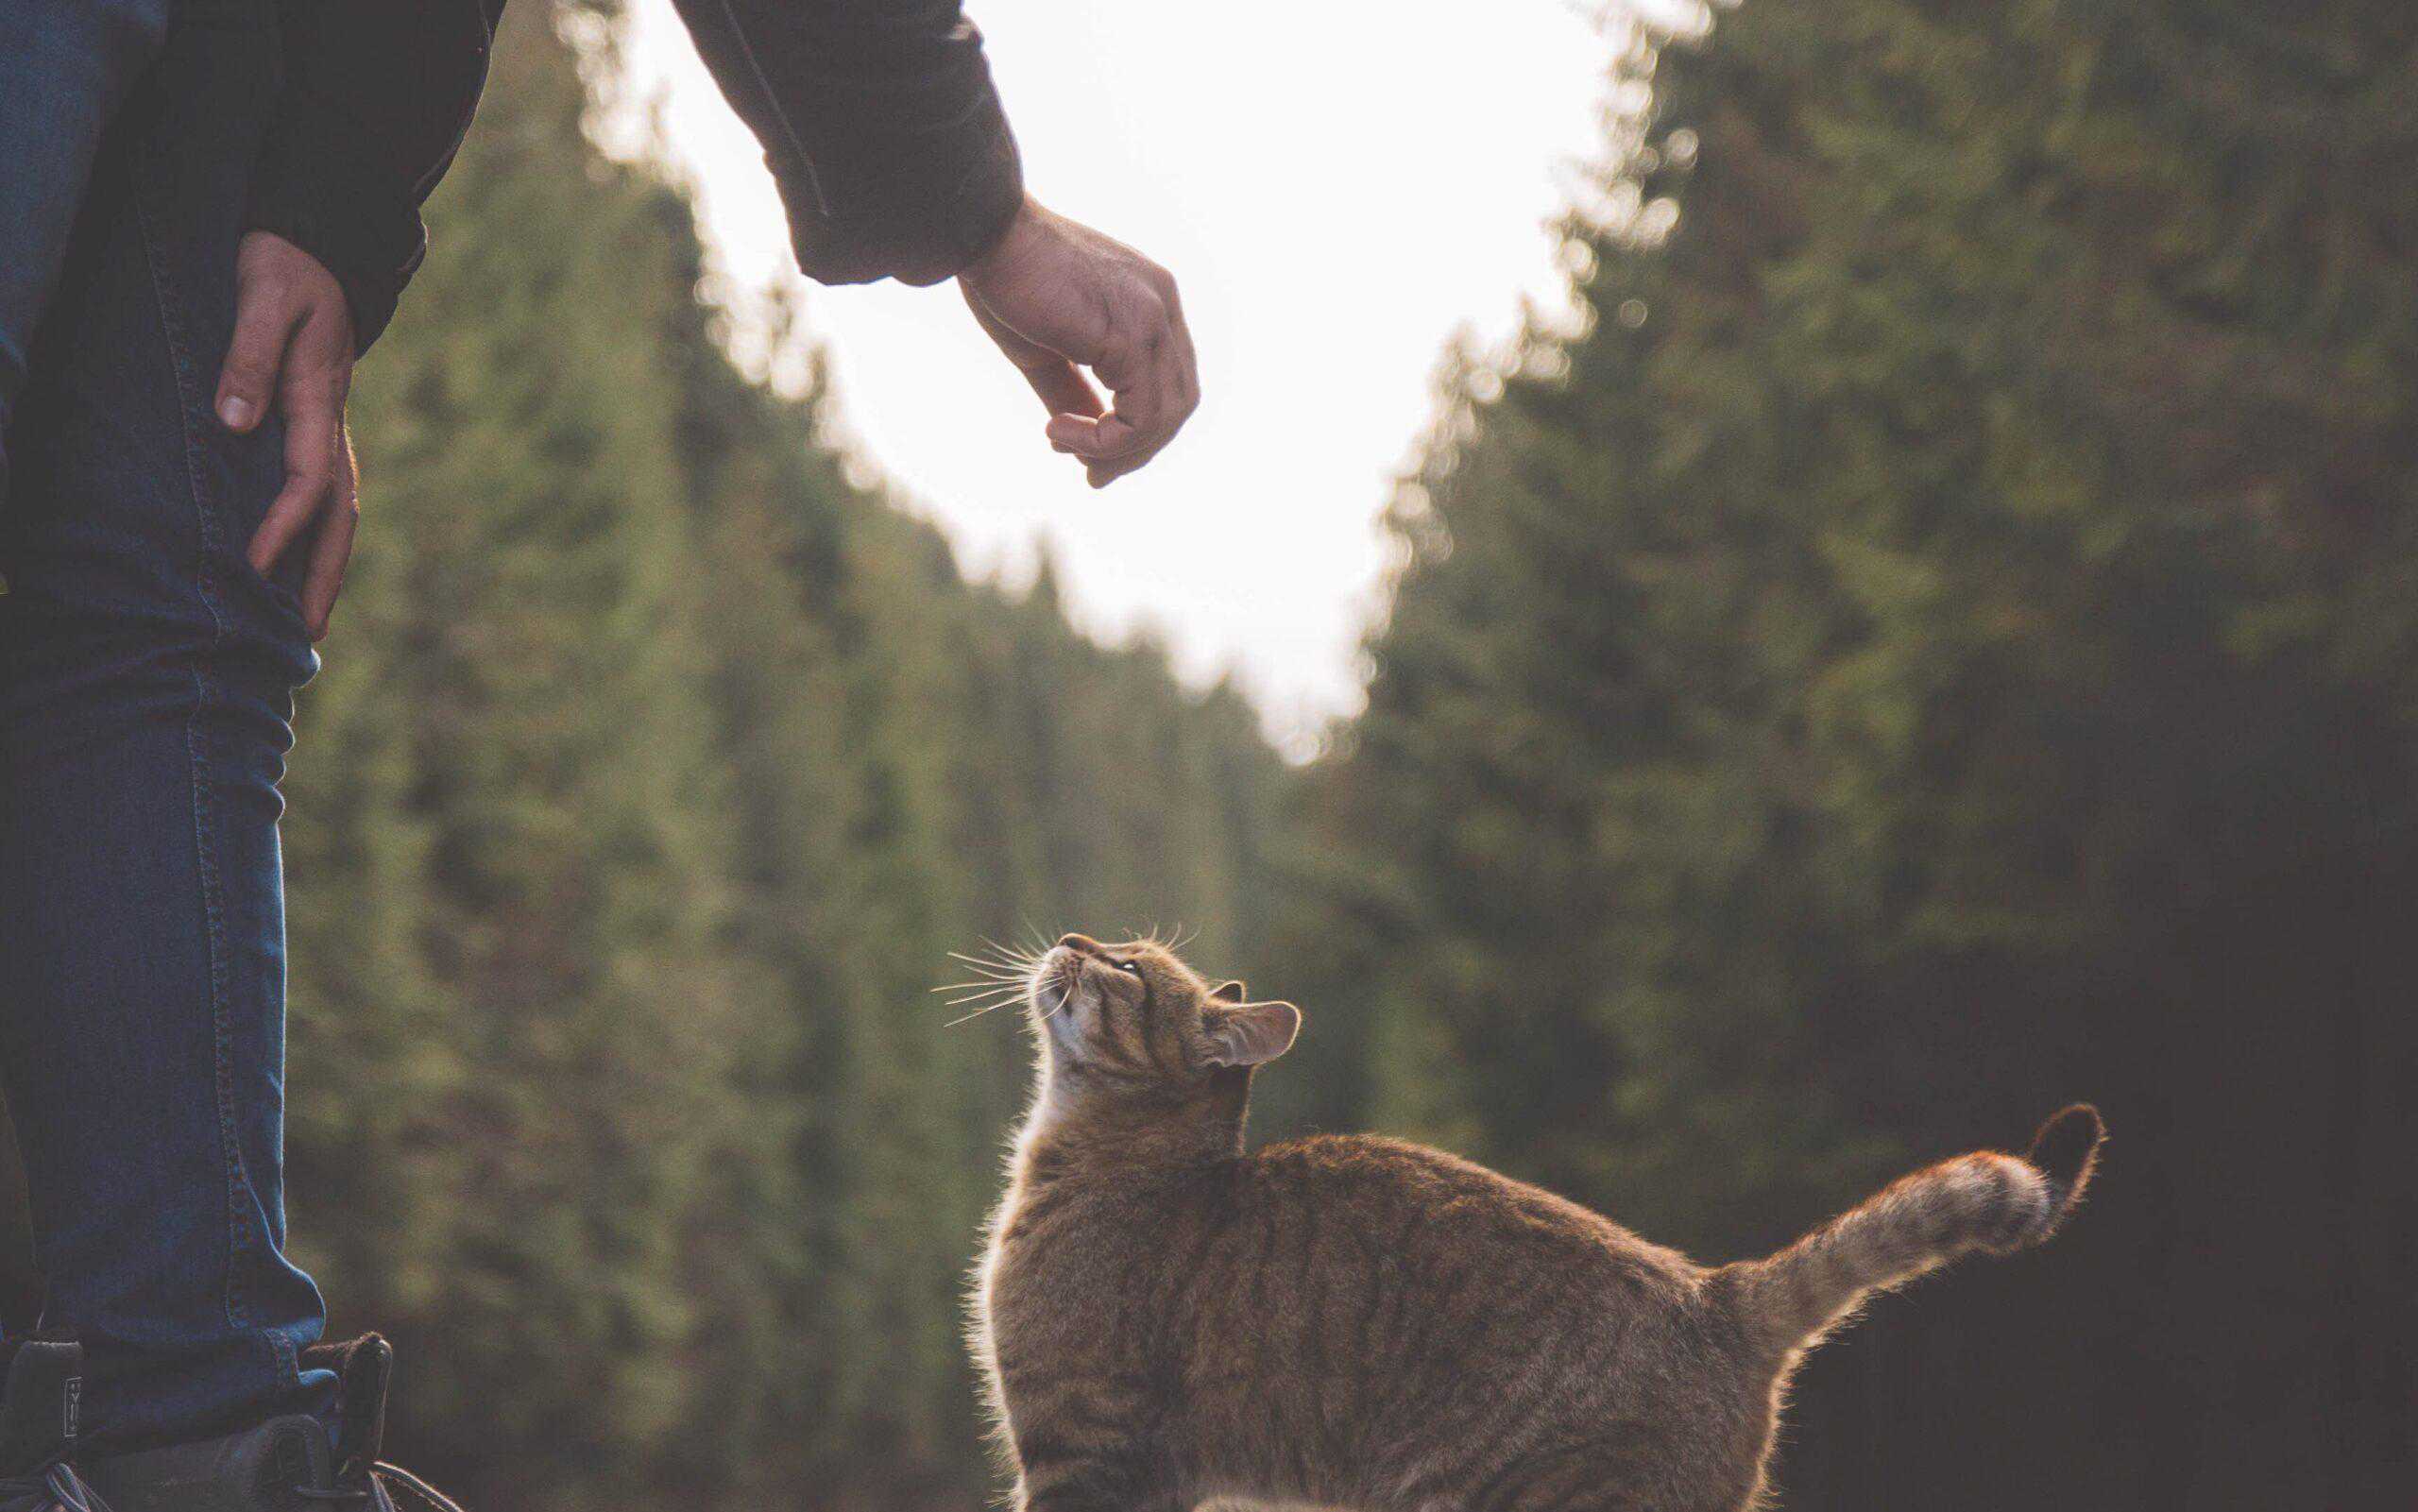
<point>1933,644</point>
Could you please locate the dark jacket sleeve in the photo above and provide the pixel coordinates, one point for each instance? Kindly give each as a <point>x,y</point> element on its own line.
<point>374,103</point>
<point>879,122</point>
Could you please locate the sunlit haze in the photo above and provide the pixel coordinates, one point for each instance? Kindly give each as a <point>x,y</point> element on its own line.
<point>1338,188</point>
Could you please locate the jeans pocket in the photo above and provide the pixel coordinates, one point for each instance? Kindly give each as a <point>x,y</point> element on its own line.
<point>249,473</point>
<point>282,599</point>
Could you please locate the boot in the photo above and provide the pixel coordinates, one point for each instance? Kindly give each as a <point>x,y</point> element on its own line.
<point>46,1381</point>
<point>285,1464</point>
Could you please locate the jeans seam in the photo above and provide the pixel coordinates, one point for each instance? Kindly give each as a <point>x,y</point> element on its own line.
<point>236,1305</point>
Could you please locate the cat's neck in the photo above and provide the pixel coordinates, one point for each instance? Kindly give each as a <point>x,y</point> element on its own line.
<point>1074,1130</point>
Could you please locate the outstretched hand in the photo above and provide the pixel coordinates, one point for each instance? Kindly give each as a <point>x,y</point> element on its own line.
<point>1060,298</point>
<point>293,348</point>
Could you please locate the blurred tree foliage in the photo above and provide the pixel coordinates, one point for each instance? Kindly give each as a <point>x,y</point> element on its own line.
<point>1939,639</point>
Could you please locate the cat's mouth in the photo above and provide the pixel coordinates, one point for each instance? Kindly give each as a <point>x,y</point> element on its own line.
<point>1053,984</point>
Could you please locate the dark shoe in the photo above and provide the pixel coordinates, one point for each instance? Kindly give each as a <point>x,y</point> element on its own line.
<point>286,1464</point>
<point>46,1381</point>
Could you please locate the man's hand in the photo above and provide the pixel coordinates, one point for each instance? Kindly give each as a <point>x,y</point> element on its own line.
<point>1058,297</point>
<point>293,346</point>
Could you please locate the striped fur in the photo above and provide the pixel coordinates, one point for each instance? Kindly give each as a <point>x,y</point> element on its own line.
<point>1165,1319</point>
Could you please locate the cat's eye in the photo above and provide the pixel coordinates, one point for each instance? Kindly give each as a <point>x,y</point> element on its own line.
<point>1132,966</point>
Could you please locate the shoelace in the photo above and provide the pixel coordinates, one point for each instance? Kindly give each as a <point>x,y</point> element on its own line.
<point>52,1489</point>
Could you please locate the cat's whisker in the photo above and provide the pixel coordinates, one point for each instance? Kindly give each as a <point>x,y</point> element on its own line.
<point>1012,952</point>
<point>1000,975</point>
<point>1011,990</point>
<point>991,963</point>
<point>995,977</point>
<point>989,984</point>
<point>976,1013</point>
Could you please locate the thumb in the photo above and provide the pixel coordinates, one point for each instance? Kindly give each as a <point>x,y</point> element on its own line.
<point>265,318</point>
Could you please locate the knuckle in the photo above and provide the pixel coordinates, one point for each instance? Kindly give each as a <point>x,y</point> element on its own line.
<point>1146,311</point>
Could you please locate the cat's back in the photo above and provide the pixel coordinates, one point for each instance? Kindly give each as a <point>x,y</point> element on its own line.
<point>1414,1202</point>
<point>1336,1204</point>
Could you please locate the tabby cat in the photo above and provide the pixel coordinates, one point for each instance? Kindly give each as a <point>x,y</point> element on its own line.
<point>1362,1323</point>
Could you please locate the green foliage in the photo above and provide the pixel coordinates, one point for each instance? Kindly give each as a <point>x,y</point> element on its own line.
<point>1939,643</point>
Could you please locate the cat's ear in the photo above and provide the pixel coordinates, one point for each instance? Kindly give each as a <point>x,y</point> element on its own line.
<point>1252,1034</point>
<point>1227,991</point>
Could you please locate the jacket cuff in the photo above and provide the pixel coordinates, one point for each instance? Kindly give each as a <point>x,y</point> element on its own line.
<point>946,197</point>
<point>371,244</point>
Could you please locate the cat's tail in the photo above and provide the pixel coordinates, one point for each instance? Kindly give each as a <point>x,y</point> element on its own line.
<point>1986,1201</point>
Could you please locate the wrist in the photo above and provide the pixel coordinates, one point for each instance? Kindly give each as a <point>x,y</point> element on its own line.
<point>1014,240</point>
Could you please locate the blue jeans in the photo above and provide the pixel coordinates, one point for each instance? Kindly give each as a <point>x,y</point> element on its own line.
<point>146,683</point>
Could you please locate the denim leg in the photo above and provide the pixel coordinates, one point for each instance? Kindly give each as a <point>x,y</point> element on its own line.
<point>146,681</point>
<point>64,71</point>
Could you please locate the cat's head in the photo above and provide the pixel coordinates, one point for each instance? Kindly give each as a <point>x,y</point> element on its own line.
<point>1133,1017</point>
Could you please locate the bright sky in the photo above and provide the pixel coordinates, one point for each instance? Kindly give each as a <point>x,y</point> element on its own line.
<point>1339,186</point>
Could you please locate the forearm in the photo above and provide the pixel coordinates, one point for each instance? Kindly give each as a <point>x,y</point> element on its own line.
<point>375,101</point>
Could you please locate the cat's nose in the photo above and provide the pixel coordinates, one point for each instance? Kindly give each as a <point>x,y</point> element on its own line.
<point>1079,945</point>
